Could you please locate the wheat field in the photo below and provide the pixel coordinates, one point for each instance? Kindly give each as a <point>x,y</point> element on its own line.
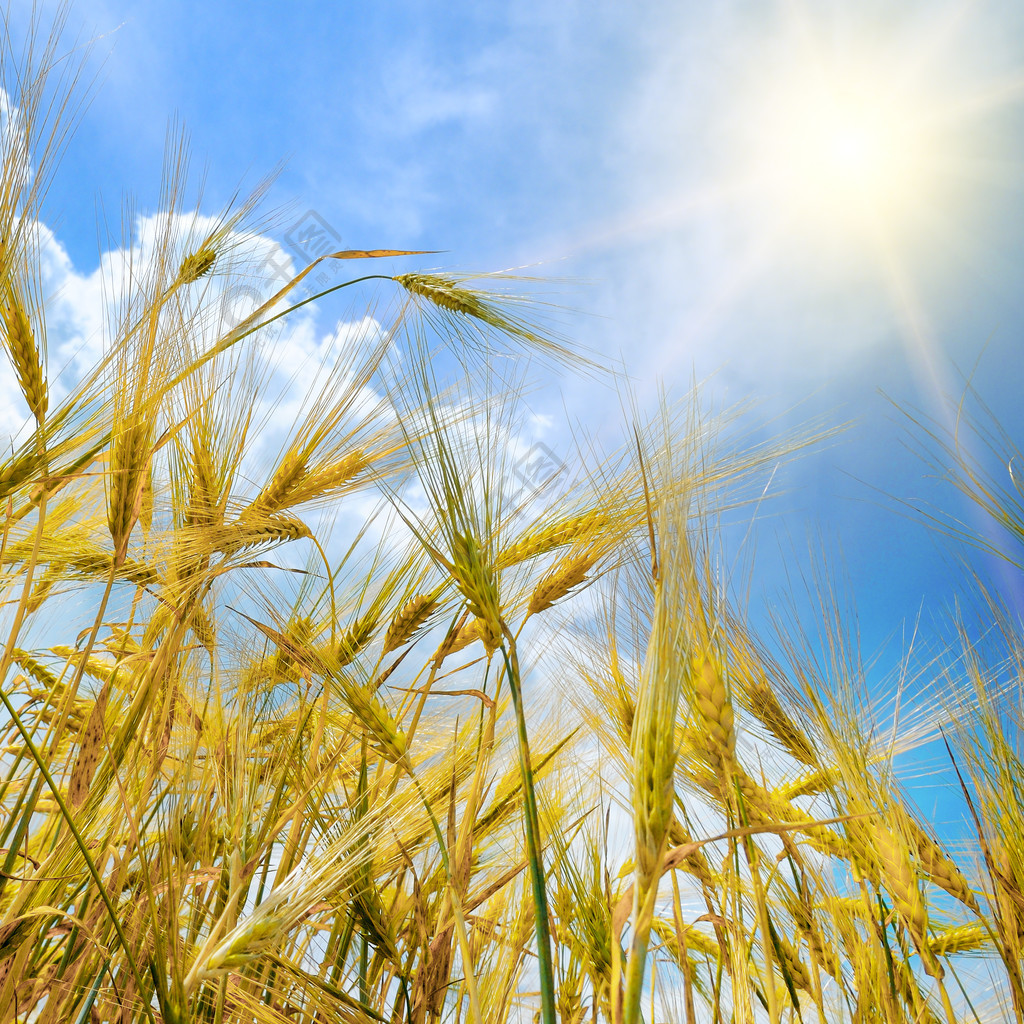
<point>499,759</point>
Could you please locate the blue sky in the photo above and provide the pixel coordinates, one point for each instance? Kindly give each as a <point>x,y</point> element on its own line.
<point>618,150</point>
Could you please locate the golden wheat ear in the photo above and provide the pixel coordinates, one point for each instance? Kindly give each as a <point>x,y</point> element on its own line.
<point>25,356</point>
<point>477,320</point>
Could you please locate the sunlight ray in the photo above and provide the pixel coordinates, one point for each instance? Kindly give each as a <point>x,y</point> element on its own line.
<point>656,218</point>
<point>921,343</point>
<point>925,350</point>
<point>703,320</point>
<point>1003,92</point>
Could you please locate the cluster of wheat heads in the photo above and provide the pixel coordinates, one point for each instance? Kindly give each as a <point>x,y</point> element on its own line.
<point>245,778</point>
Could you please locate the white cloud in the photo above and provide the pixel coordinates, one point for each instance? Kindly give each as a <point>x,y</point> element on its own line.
<point>81,316</point>
<point>419,95</point>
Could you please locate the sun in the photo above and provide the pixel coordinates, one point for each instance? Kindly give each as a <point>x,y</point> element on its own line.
<point>844,150</point>
<point>860,156</point>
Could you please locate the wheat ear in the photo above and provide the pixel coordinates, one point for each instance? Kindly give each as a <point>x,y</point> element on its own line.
<point>898,874</point>
<point>196,264</point>
<point>129,466</point>
<point>25,356</point>
<point>444,292</point>
<point>475,580</point>
<point>653,747</point>
<point>715,709</point>
<point>274,530</point>
<point>556,535</point>
<point>566,574</point>
<point>408,620</point>
<point>274,495</point>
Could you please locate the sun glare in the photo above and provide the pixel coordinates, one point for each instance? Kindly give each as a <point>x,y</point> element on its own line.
<point>839,152</point>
